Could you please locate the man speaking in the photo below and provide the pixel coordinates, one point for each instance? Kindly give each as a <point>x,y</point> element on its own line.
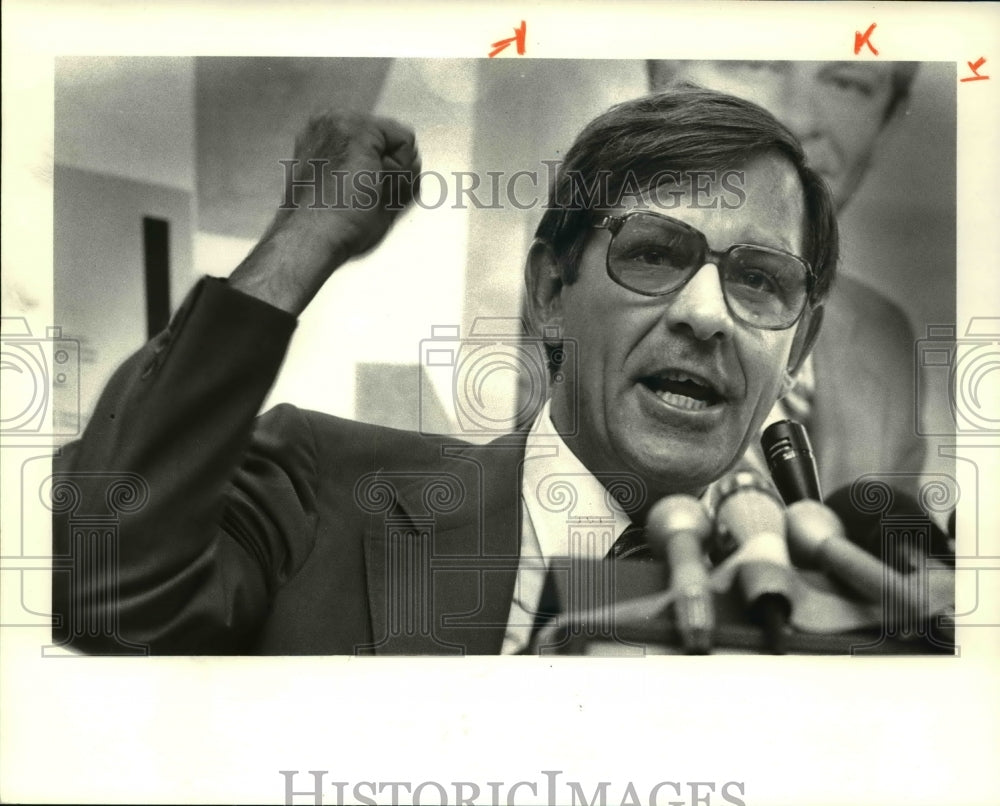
<point>856,390</point>
<point>687,307</point>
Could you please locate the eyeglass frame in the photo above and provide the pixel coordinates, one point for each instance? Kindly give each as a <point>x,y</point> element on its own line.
<point>615,223</point>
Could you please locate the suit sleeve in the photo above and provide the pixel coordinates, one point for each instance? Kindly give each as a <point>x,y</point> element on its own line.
<point>217,512</point>
<point>864,417</point>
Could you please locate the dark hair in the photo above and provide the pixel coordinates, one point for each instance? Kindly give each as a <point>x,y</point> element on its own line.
<point>682,129</point>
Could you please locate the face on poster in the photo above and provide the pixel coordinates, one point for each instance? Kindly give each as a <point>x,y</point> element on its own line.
<point>156,114</point>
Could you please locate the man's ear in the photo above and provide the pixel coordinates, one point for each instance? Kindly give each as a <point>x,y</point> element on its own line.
<point>805,338</point>
<point>544,284</point>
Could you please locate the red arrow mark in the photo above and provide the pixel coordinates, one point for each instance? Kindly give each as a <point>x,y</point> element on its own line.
<point>974,67</point>
<point>518,38</point>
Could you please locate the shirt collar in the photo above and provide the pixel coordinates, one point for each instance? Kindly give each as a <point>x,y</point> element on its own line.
<point>571,511</point>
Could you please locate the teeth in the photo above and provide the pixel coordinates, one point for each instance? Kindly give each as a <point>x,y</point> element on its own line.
<point>675,375</point>
<point>678,375</point>
<point>682,401</point>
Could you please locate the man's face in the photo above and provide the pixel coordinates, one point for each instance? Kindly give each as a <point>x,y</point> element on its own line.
<point>633,350</point>
<point>836,109</point>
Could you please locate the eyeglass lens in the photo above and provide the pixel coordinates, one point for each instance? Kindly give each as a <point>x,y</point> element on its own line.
<point>654,255</point>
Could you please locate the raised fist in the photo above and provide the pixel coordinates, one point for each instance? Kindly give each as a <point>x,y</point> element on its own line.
<point>353,175</point>
<point>350,178</point>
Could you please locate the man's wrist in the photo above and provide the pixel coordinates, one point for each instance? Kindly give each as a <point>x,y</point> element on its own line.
<point>288,267</point>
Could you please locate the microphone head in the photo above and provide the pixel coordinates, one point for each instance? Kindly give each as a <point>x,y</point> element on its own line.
<point>748,506</point>
<point>783,437</point>
<point>678,513</point>
<point>810,524</point>
<point>675,515</point>
<point>790,460</point>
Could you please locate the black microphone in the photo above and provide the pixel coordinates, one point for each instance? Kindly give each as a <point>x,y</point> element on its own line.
<point>790,459</point>
<point>749,511</point>
<point>676,530</point>
<point>865,528</point>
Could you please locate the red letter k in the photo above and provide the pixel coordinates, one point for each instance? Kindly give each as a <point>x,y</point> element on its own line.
<point>862,39</point>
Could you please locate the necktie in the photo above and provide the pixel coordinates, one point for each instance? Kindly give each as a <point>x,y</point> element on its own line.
<point>631,545</point>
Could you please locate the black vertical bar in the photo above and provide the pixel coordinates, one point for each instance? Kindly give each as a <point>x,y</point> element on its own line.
<point>156,256</point>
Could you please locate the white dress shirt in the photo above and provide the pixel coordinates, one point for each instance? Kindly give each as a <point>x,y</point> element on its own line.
<point>566,512</point>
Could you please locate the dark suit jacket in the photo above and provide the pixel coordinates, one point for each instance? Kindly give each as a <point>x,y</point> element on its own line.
<point>332,536</point>
<point>186,525</point>
<point>864,419</point>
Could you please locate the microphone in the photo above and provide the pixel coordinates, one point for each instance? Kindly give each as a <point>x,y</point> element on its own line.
<point>676,530</point>
<point>816,534</point>
<point>815,531</point>
<point>951,537</point>
<point>750,512</point>
<point>790,459</point>
<point>865,529</point>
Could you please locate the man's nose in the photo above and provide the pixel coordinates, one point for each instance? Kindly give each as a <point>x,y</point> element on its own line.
<point>701,307</point>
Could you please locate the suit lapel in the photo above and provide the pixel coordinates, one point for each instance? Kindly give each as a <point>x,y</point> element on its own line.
<point>442,562</point>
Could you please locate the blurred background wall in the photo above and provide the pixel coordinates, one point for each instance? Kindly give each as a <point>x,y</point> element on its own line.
<point>196,143</point>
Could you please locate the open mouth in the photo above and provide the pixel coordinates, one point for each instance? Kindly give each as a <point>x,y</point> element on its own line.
<point>683,390</point>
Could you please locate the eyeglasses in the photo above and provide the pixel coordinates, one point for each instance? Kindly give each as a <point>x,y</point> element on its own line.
<point>654,255</point>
